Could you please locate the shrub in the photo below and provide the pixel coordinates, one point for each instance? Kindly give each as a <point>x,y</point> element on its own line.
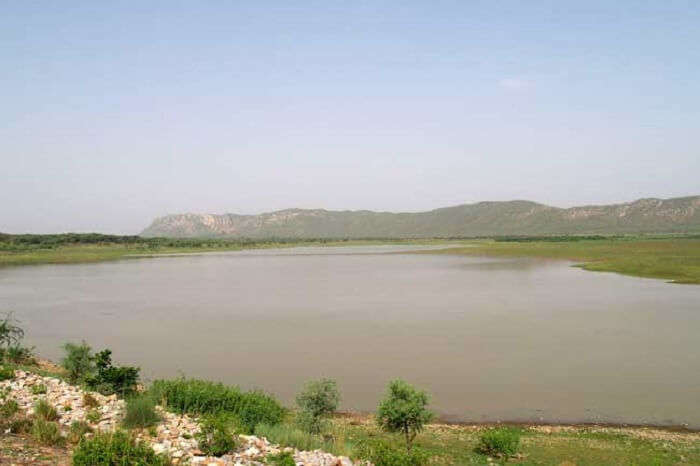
<point>116,449</point>
<point>90,401</point>
<point>93,416</point>
<point>256,407</point>
<point>381,453</point>
<point>216,436</point>
<point>404,411</point>
<point>78,361</point>
<point>77,430</point>
<point>281,459</point>
<point>319,398</point>
<point>111,379</point>
<point>502,441</point>
<point>47,433</point>
<point>6,373</point>
<point>194,396</point>
<point>39,389</point>
<point>19,354</point>
<point>43,410</point>
<point>20,425</point>
<point>140,412</point>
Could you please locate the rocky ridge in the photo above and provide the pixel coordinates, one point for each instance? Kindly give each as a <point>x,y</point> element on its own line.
<point>678,215</point>
<point>175,435</point>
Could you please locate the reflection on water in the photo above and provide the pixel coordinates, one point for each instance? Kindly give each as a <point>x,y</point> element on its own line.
<point>491,339</point>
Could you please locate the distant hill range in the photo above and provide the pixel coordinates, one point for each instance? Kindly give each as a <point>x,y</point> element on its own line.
<point>679,215</point>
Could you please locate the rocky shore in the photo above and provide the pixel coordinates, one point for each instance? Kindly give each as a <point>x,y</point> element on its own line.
<point>175,435</point>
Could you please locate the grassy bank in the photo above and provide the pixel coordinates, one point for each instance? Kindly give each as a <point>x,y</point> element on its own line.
<point>542,445</point>
<point>84,248</point>
<point>673,259</point>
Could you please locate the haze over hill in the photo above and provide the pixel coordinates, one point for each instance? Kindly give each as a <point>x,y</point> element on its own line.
<point>678,215</point>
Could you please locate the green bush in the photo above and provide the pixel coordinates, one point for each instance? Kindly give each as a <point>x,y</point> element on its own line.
<point>47,433</point>
<point>38,389</point>
<point>116,449</point>
<point>111,379</point>
<point>194,396</point>
<point>381,453</point>
<point>6,373</point>
<point>216,437</point>
<point>43,410</point>
<point>78,361</point>
<point>318,399</point>
<point>404,411</point>
<point>140,412</point>
<point>77,430</point>
<point>281,459</point>
<point>502,441</point>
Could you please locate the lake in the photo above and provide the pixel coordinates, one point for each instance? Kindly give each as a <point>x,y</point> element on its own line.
<point>490,339</point>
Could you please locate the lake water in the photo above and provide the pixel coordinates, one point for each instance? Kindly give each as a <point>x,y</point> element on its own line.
<point>490,339</point>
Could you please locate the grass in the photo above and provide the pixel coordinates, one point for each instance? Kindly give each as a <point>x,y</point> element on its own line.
<point>673,259</point>
<point>118,448</point>
<point>47,433</point>
<point>500,441</point>
<point>6,373</point>
<point>197,397</point>
<point>458,445</point>
<point>140,412</point>
<point>670,258</point>
<point>100,252</point>
<point>38,389</point>
<point>43,410</point>
<point>78,429</point>
<point>289,435</point>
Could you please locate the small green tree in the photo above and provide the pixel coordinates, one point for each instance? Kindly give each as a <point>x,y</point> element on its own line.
<point>404,411</point>
<point>110,379</point>
<point>78,361</point>
<point>318,399</point>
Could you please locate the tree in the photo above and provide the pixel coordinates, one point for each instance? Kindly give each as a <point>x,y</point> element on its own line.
<point>318,399</point>
<point>78,361</point>
<point>112,379</point>
<point>404,411</point>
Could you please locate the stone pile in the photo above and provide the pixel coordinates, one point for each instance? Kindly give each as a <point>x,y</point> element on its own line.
<point>175,435</point>
<point>66,398</point>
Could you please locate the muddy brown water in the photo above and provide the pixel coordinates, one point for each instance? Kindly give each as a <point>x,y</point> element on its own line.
<point>490,339</point>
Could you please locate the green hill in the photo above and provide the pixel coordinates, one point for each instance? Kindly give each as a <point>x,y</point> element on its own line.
<point>678,215</point>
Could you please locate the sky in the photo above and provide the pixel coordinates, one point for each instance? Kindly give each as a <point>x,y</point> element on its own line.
<point>114,113</point>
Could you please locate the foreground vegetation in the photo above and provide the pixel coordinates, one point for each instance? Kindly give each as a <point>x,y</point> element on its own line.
<point>400,434</point>
<point>676,259</point>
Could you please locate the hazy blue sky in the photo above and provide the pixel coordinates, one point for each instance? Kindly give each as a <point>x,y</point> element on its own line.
<point>112,113</point>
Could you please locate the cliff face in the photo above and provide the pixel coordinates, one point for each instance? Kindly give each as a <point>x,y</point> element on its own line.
<point>677,215</point>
